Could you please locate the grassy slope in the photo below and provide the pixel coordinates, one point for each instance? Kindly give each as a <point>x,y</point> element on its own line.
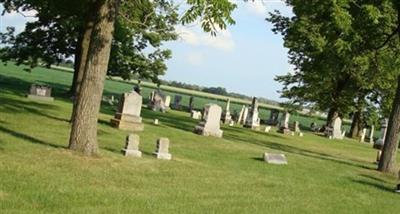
<point>206,175</point>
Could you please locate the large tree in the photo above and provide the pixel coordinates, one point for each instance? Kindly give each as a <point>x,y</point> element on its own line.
<point>345,52</point>
<point>98,22</point>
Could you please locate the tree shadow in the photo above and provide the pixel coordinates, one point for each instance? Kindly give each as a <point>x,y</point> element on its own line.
<point>374,182</point>
<point>296,150</point>
<point>171,120</point>
<point>10,105</point>
<point>28,138</point>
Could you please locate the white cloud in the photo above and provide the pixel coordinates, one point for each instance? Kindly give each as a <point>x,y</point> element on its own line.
<point>223,40</point>
<point>257,7</point>
<point>195,58</point>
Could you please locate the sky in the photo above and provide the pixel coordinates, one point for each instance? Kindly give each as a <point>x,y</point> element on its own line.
<point>244,59</point>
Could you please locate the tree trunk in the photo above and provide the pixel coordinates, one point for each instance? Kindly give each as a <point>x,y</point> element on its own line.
<point>83,136</point>
<point>356,125</point>
<point>77,62</point>
<point>80,66</point>
<point>387,162</point>
<point>332,114</point>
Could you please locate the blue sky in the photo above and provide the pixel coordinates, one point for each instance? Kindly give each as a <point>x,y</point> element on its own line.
<point>244,59</point>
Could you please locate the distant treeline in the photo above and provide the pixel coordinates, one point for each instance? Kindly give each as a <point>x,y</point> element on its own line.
<point>216,90</point>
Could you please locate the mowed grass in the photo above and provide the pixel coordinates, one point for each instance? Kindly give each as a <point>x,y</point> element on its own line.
<point>207,175</point>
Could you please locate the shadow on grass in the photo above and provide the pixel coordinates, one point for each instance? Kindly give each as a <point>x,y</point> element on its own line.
<point>15,106</point>
<point>28,138</point>
<point>374,182</point>
<point>171,120</point>
<point>258,159</point>
<point>296,150</point>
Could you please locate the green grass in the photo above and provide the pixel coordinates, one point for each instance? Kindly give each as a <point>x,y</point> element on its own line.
<point>206,175</point>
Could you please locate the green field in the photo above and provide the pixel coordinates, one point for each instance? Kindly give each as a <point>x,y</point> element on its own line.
<point>207,175</point>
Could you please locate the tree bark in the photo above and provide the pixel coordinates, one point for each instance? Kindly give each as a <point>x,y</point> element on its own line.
<point>387,162</point>
<point>356,125</point>
<point>332,114</point>
<point>83,136</point>
<point>77,62</point>
<point>80,66</point>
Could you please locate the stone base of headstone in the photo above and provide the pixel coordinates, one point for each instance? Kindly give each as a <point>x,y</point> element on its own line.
<point>285,131</point>
<point>275,158</point>
<point>131,152</point>
<point>41,98</point>
<point>199,129</point>
<point>267,129</point>
<point>163,156</point>
<point>127,122</point>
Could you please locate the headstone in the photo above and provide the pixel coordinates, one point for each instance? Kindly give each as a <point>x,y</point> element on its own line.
<point>155,122</point>
<point>334,131</point>
<point>157,101</point>
<point>40,92</point>
<point>379,143</point>
<point>267,129</point>
<point>252,119</point>
<point>301,134</point>
<point>362,137</point>
<point>162,149</point>
<point>191,103</point>
<point>296,126</point>
<point>245,114</point>
<point>128,114</point>
<point>232,123</point>
<point>210,125</point>
<point>371,134</point>
<point>275,158</point>
<point>132,146</point>
<point>284,124</point>
<point>167,101</point>
<point>195,115</point>
<point>177,102</point>
<point>240,117</point>
<point>226,115</point>
<point>314,127</point>
<point>273,117</point>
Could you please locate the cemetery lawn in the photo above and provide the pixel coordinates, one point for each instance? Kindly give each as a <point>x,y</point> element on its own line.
<point>206,175</point>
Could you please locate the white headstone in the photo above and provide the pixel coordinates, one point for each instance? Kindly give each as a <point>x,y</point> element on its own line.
<point>132,146</point>
<point>210,125</point>
<point>337,128</point>
<point>275,158</point>
<point>131,104</point>
<point>195,114</point>
<point>267,128</point>
<point>128,115</point>
<point>362,137</point>
<point>162,149</point>
<point>167,101</point>
<point>240,118</point>
<point>381,140</point>
<point>252,119</point>
<point>371,134</point>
